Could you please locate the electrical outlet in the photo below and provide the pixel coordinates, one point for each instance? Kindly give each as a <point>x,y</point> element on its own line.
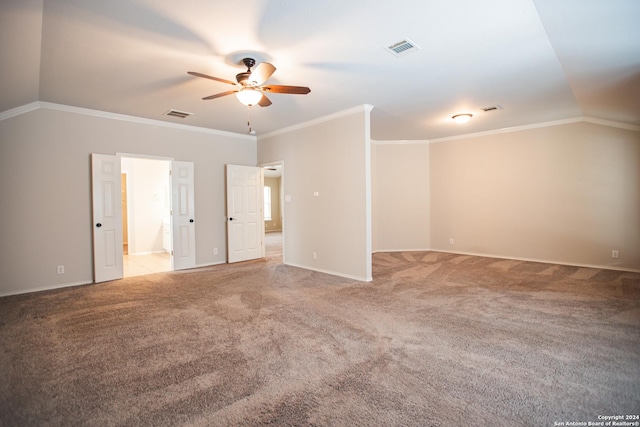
<point>615,254</point>
<point>215,251</point>
<point>314,255</point>
<point>61,269</point>
<point>451,241</point>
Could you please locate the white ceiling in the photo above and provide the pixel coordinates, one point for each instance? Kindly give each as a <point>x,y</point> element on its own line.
<point>539,60</point>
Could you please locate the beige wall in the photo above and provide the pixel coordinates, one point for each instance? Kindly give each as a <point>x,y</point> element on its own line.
<point>331,158</point>
<point>567,194</point>
<point>276,218</point>
<point>401,215</point>
<point>46,210</point>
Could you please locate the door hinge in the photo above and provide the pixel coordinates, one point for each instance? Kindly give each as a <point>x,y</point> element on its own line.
<point>171,253</point>
<point>170,172</point>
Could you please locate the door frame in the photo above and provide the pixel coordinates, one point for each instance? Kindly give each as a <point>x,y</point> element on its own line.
<point>150,157</point>
<point>125,208</point>
<point>283,202</point>
<point>119,156</point>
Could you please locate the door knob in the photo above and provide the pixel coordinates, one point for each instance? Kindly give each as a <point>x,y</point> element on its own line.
<point>98,225</point>
<point>230,219</point>
<point>191,220</point>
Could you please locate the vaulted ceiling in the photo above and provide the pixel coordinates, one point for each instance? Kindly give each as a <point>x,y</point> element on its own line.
<point>535,60</point>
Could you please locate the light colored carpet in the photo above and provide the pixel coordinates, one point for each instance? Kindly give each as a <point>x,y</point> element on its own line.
<point>435,340</point>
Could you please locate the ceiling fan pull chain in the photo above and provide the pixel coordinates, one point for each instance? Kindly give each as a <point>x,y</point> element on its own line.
<point>249,117</point>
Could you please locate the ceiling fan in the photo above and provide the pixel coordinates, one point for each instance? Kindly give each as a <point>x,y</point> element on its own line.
<point>249,88</point>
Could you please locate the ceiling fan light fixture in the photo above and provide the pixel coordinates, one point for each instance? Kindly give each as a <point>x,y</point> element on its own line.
<point>462,118</point>
<point>249,96</point>
<point>249,89</point>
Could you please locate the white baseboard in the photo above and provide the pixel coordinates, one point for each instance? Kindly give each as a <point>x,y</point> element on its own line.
<point>45,288</point>
<point>333,273</point>
<point>208,264</point>
<point>543,261</point>
<point>401,250</point>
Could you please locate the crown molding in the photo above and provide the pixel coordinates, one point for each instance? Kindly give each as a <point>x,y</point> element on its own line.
<point>115,116</point>
<point>19,110</point>
<point>366,108</point>
<point>582,119</point>
<point>611,123</point>
<point>400,142</point>
<point>140,120</point>
<point>508,130</point>
<point>14,112</point>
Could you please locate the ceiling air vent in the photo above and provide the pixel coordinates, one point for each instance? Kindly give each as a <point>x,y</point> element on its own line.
<point>178,113</point>
<point>492,108</point>
<point>403,47</point>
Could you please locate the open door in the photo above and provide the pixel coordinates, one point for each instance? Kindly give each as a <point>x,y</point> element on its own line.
<point>245,222</point>
<point>107,218</point>
<point>183,216</point>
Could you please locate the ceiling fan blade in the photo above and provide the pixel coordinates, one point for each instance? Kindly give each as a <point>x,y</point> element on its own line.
<point>261,73</point>
<point>297,90</point>
<point>218,95</point>
<point>264,102</point>
<point>218,79</point>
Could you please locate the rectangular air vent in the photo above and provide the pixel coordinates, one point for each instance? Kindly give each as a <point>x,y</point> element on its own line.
<point>403,47</point>
<point>178,113</point>
<point>492,108</point>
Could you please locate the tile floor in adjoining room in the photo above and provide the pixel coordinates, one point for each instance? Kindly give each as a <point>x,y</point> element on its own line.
<point>139,265</point>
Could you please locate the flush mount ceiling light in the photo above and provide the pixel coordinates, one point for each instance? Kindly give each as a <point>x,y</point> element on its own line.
<point>462,118</point>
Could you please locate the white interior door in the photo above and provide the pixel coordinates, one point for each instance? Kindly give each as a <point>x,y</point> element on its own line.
<point>245,222</point>
<point>107,218</point>
<point>183,216</point>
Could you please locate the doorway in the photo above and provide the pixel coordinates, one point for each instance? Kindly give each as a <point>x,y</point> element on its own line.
<point>107,214</point>
<point>146,210</point>
<point>274,211</point>
<point>125,228</point>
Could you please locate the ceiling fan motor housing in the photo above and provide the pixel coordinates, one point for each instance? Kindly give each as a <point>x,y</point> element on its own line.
<point>243,78</point>
<point>249,62</point>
